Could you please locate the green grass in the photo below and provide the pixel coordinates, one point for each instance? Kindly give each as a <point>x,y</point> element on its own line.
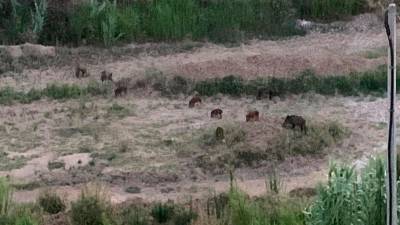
<point>351,200</point>
<point>7,164</point>
<point>354,84</point>
<point>53,91</point>
<point>371,82</point>
<point>328,10</point>
<point>51,203</point>
<point>107,23</point>
<point>348,198</point>
<point>5,196</point>
<point>92,207</point>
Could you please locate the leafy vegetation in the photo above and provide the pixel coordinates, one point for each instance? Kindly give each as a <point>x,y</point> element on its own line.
<point>318,137</point>
<point>329,9</point>
<point>348,197</point>
<point>54,91</point>
<point>162,213</point>
<point>354,84</point>
<point>370,82</point>
<point>51,202</point>
<point>351,198</point>
<point>107,22</point>
<point>92,207</point>
<point>166,20</point>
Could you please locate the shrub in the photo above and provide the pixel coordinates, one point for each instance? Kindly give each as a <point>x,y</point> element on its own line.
<point>56,27</point>
<point>217,204</point>
<point>329,9</point>
<point>92,207</point>
<point>233,135</point>
<point>318,137</point>
<point>17,21</point>
<point>178,85</point>
<point>134,215</point>
<point>51,202</point>
<point>63,91</point>
<point>162,212</point>
<point>184,217</point>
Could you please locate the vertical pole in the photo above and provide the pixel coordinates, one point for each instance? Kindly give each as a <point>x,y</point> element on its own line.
<point>391,155</point>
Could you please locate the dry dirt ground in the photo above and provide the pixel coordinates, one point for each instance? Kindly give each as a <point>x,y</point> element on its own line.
<point>155,144</point>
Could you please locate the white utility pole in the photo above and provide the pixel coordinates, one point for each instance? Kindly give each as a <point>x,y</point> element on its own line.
<point>390,24</point>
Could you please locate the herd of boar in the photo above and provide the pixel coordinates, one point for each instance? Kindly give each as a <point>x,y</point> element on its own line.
<point>291,121</point>
<point>121,87</point>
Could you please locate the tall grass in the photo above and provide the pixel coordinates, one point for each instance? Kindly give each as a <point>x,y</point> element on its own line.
<point>268,210</point>
<point>329,9</point>
<point>5,197</point>
<point>53,91</point>
<point>370,82</point>
<point>92,208</point>
<point>11,213</point>
<point>351,198</point>
<point>348,198</point>
<point>105,22</point>
<point>39,15</point>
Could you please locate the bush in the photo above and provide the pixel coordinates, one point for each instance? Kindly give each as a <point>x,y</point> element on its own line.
<point>184,216</point>
<point>162,212</point>
<point>17,21</point>
<point>329,9</point>
<point>103,22</point>
<point>134,215</point>
<point>51,202</point>
<point>318,137</point>
<point>92,208</point>
<point>233,135</point>
<point>178,85</point>
<point>56,27</point>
